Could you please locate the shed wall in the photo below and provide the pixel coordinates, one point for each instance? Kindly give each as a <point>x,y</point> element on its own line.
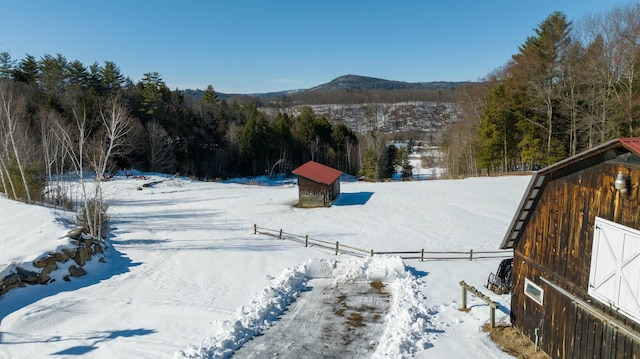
<point>314,194</point>
<point>556,244</point>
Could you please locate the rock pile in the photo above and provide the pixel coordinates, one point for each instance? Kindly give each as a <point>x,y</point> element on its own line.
<point>81,251</point>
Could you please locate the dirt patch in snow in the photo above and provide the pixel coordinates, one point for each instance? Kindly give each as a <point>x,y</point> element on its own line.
<point>328,320</point>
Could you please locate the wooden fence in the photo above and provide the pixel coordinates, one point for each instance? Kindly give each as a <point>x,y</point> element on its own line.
<point>492,305</point>
<point>422,255</point>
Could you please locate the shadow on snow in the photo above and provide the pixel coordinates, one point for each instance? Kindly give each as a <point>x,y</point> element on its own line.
<point>352,199</point>
<point>97,337</point>
<point>15,299</point>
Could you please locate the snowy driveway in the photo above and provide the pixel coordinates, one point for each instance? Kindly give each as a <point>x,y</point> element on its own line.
<point>327,321</point>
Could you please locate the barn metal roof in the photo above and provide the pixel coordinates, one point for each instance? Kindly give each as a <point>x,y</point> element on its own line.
<point>588,158</point>
<point>633,144</point>
<point>318,172</point>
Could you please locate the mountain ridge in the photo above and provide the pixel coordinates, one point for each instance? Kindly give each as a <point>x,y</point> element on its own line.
<point>357,82</point>
<point>345,82</point>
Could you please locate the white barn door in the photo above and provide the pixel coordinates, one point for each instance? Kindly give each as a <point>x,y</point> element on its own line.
<point>614,278</point>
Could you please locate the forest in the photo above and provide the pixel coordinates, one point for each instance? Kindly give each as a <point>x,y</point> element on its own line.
<point>59,116</point>
<point>569,86</point>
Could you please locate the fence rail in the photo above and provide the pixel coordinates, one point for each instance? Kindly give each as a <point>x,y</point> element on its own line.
<point>422,255</point>
<point>492,305</point>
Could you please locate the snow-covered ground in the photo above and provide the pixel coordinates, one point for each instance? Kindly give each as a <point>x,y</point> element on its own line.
<point>185,275</point>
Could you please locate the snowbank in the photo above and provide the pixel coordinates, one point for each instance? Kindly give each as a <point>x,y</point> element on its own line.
<point>408,326</point>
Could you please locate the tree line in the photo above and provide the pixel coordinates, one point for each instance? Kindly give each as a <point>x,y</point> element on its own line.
<point>569,87</point>
<point>59,117</point>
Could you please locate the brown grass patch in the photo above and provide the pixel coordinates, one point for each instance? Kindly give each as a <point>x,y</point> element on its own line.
<point>379,287</point>
<point>514,343</point>
<point>356,320</point>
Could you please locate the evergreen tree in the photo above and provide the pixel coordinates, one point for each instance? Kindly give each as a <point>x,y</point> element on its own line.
<point>537,71</point>
<point>497,133</point>
<point>27,71</point>
<point>388,162</point>
<point>209,96</point>
<point>406,169</point>
<point>94,77</point>
<point>256,142</point>
<point>152,88</point>
<point>54,74</point>
<point>78,75</point>
<point>369,169</point>
<point>112,78</point>
<point>7,65</point>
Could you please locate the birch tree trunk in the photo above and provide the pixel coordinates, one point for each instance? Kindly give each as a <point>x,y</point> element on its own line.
<point>10,109</point>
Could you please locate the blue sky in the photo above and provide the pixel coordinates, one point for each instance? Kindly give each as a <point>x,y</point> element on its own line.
<point>250,46</point>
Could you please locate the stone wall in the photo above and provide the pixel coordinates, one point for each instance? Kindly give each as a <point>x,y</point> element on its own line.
<point>82,250</point>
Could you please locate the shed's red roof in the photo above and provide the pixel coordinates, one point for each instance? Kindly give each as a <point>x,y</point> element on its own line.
<point>317,172</point>
<point>632,144</point>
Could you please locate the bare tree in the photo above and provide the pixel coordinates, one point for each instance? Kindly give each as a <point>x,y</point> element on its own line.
<point>74,137</point>
<point>54,158</point>
<point>623,27</point>
<point>112,140</point>
<point>598,83</point>
<point>105,144</point>
<point>11,113</point>
<point>161,156</point>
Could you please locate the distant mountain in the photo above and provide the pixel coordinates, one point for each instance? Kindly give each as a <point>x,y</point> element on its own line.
<point>346,82</point>
<point>355,82</point>
<point>366,103</point>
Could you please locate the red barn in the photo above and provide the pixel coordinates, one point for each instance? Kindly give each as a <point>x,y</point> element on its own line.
<point>318,185</point>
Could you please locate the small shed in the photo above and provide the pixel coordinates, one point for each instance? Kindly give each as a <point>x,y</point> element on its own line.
<point>318,185</point>
<point>576,267</point>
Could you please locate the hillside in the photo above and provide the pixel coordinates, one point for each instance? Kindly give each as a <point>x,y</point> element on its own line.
<point>429,119</point>
<point>367,103</point>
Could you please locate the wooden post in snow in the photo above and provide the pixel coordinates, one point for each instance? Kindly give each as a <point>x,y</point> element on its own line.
<point>492,305</point>
<point>464,297</point>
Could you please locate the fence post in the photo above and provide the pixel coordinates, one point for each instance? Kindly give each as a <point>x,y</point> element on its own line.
<point>471,255</point>
<point>280,237</point>
<point>422,255</point>
<point>337,245</point>
<point>372,252</point>
<point>492,315</point>
<point>255,229</point>
<point>464,295</point>
<point>492,305</point>
<point>306,240</point>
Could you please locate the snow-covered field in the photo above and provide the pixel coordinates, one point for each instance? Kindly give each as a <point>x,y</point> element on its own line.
<point>185,275</point>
